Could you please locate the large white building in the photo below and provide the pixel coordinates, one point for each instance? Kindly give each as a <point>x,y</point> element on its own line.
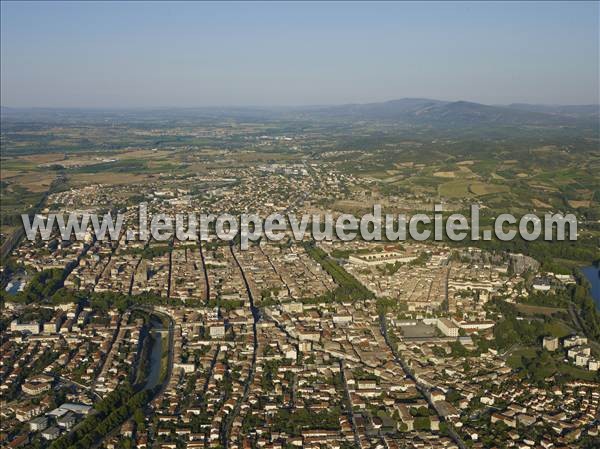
<point>32,328</point>
<point>381,258</point>
<point>448,327</point>
<point>476,325</point>
<point>574,340</point>
<point>550,343</point>
<point>217,331</point>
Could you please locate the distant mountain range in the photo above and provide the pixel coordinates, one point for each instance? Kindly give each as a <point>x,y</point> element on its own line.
<point>413,111</point>
<point>581,111</point>
<point>435,112</point>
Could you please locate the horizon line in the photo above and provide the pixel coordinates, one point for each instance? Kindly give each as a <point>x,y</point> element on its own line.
<point>275,106</point>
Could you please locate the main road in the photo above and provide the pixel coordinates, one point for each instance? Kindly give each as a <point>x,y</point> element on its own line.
<point>226,428</point>
<point>423,389</point>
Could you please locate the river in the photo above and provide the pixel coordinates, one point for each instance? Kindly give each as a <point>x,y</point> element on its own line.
<point>592,274</point>
<point>155,355</point>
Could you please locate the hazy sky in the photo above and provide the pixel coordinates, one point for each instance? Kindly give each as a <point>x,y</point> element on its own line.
<point>199,54</point>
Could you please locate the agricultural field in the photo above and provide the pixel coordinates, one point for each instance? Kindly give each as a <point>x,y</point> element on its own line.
<point>400,168</point>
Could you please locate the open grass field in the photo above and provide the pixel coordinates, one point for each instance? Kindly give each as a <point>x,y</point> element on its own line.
<point>44,158</point>
<point>482,188</point>
<point>445,174</point>
<point>145,154</point>
<point>540,204</point>
<point>515,361</point>
<point>454,189</point>
<point>35,182</point>
<point>8,164</point>
<point>576,204</point>
<point>557,329</point>
<point>538,310</point>
<point>7,175</point>
<point>576,372</point>
<point>108,178</point>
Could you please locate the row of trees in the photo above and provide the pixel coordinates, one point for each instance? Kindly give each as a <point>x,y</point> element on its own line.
<point>109,413</point>
<point>349,288</point>
<point>294,421</point>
